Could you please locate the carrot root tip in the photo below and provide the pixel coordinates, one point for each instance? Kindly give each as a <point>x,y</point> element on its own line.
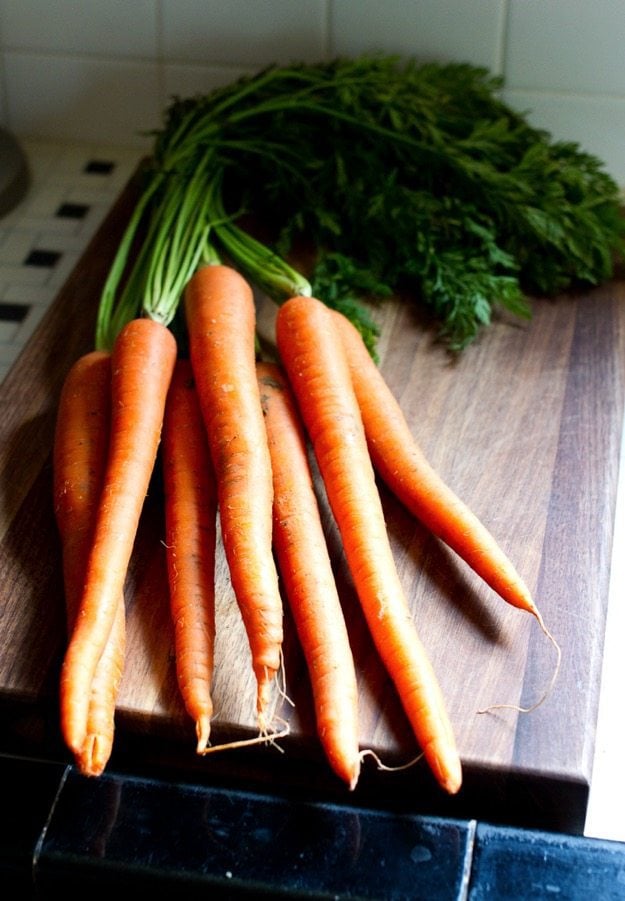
<point>202,731</point>
<point>558,651</point>
<point>367,752</point>
<point>94,755</point>
<point>449,779</point>
<point>352,782</point>
<point>267,737</point>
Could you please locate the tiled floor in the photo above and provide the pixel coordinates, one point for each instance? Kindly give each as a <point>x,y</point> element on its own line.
<point>72,188</point>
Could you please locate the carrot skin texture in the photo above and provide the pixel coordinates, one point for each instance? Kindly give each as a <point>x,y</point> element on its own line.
<point>142,363</point>
<point>404,468</point>
<point>311,350</point>
<point>306,572</point>
<point>221,323</point>
<point>190,523</point>
<point>79,458</point>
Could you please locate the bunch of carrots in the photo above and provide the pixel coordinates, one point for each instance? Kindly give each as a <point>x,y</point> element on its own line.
<point>232,433</point>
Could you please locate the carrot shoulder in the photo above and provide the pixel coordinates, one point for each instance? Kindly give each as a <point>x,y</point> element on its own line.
<point>306,572</point>
<point>190,523</point>
<point>405,469</point>
<point>221,323</point>
<point>311,350</point>
<point>142,362</point>
<point>79,459</point>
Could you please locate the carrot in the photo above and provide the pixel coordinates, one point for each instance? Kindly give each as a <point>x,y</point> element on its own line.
<point>405,469</point>
<point>142,361</point>
<point>79,458</point>
<point>221,323</point>
<point>311,350</point>
<point>190,521</point>
<point>306,571</point>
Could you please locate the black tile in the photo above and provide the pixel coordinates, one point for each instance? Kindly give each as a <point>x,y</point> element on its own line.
<point>43,258</point>
<point>13,312</point>
<point>218,843</point>
<point>528,864</point>
<point>99,167</point>
<point>28,789</point>
<point>72,211</point>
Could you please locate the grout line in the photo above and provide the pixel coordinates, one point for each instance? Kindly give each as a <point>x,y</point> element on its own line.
<point>329,34</point>
<point>502,44</point>
<point>44,831</point>
<point>559,93</point>
<point>467,864</point>
<point>160,54</point>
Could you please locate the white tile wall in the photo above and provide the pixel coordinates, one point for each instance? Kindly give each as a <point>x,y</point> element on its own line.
<point>596,122</point>
<point>570,46</point>
<point>81,97</point>
<point>565,65</point>
<point>227,32</point>
<point>105,71</point>
<point>427,29</point>
<point>114,28</point>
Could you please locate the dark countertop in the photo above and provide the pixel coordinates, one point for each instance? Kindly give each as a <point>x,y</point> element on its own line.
<point>66,832</point>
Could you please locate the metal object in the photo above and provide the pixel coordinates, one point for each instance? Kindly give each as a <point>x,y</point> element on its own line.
<point>14,173</point>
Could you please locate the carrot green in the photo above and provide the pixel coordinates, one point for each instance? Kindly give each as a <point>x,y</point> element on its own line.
<point>400,175</point>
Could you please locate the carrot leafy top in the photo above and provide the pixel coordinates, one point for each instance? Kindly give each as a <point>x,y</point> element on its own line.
<point>395,174</point>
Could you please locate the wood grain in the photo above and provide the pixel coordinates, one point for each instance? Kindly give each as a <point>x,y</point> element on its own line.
<point>525,426</point>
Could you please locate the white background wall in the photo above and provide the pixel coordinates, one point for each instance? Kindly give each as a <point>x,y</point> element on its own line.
<point>104,70</point>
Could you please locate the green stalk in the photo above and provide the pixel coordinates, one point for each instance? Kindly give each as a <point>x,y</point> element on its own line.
<point>177,223</point>
<point>183,227</point>
<point>212,121</point>
<point>108,307</point>
<point>269,271</point>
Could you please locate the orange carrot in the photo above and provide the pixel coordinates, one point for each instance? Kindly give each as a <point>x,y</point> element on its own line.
<point>79,458</point>
<point>142,362</point>
<point>306,571</point>
<point>190,520</point>
<point>405,469</point>
<point>311,350</point>
<point>221,322</point>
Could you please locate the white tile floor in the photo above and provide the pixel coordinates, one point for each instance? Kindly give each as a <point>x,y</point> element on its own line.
<point>73,186</point>
<point>41,241</point>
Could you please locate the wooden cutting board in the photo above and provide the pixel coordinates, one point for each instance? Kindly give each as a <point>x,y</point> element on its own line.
<point>526,428</point>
